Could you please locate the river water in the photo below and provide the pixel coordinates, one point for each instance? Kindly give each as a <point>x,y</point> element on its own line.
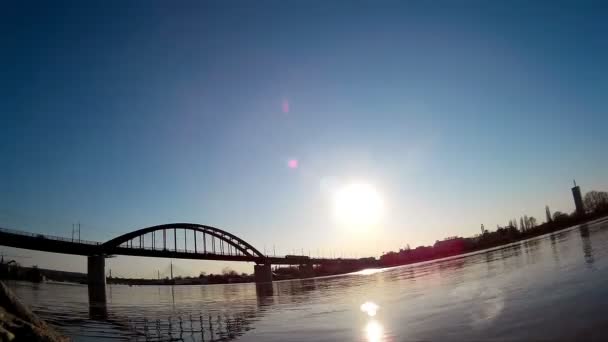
<point>554,287</point>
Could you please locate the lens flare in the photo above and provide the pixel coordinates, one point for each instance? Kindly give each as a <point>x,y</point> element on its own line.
<point>293,163</point>
<point>370,308</point>
<point>285,106</point>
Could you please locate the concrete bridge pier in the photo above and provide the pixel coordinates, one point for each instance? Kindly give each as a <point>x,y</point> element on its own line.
<point>262,273</point>
<point>306,271</point>
<point>96,277</point>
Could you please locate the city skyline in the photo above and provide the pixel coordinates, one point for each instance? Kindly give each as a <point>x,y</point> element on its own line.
<point>250,119</point>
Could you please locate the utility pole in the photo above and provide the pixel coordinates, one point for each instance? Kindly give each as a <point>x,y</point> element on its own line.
<point>72,232</point>
<point>171,269</point>
<point>78,231</point>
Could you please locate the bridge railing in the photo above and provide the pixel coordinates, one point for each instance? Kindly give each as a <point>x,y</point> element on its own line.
<point>170,249</point>
<point>48,237</point>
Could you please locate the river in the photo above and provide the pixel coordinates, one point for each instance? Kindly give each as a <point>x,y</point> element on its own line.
<point>554,287</point>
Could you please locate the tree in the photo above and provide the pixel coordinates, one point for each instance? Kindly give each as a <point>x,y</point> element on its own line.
<point>227,271</point>
<point>596,201</point>
<point>558,216</point>
<point>548,212</point>
<point>532,221</point>
<point>521,224</point>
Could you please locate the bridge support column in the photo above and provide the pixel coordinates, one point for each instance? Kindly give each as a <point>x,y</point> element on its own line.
<point>306,271</point>
<point>262,273</point>
<point>96,276</point>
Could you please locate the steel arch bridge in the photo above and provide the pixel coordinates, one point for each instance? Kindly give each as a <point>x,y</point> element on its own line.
<point>174,240</point>
<point>183,241</point>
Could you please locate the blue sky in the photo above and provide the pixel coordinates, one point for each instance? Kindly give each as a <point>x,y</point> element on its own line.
<point>126,115</point>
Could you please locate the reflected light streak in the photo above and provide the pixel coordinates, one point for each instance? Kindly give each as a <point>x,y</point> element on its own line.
<point>369,271</point>
<point>374,331</point>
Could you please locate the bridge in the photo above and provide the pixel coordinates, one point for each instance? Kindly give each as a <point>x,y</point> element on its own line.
<point>174,240</point>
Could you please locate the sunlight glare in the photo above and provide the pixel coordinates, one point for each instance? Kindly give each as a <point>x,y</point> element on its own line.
<point>370,308</point>
<point>373,331</point>
<point>369,271</point>
<point>358,205</point>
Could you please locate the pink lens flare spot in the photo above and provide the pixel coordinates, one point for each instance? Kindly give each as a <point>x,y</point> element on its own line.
<point>285,106</point>
<point>293,163</point>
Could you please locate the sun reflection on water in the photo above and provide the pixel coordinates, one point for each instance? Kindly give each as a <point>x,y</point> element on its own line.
<point>370,308</point>
<point>369,271</point>
<point>374,331</point>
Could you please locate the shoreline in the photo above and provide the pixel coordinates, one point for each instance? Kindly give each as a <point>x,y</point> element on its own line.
<point>460,247</point>
<point>19,323</point>
<point>380,264</point>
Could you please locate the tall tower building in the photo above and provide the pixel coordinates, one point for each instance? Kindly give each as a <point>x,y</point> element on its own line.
<point>578,200</point>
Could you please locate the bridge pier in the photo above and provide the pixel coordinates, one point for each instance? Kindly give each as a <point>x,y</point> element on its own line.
<point>262,273</point>
<point>306,271</point>
<point>96,277</point>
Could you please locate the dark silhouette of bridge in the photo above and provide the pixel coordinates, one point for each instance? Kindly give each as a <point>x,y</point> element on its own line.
<point>174,240</point>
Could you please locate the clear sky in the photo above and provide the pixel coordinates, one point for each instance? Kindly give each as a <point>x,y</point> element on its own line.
<point>127,114</point>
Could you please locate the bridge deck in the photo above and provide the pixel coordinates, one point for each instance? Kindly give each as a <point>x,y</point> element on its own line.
<point>55,244</point>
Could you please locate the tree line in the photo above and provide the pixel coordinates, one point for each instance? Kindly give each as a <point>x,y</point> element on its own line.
<point>595,202</point>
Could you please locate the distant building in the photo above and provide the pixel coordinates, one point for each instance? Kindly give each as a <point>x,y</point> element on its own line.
<point>450,246</point>
<point>578,199</point>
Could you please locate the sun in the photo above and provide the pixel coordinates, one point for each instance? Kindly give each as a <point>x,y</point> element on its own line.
<point>358,205</point>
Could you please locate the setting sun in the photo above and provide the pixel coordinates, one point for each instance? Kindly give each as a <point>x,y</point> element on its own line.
<point>358,205</point>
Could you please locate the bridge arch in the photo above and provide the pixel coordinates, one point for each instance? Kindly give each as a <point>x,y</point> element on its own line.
<point>236,242</point>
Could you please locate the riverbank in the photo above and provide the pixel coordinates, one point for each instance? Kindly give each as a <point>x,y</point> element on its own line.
<point>14,271</point>
<point>337,267</point>
<point>37,275</point>
<point>19,324</point>
<point>452,247</point>
<point>503,236</point>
